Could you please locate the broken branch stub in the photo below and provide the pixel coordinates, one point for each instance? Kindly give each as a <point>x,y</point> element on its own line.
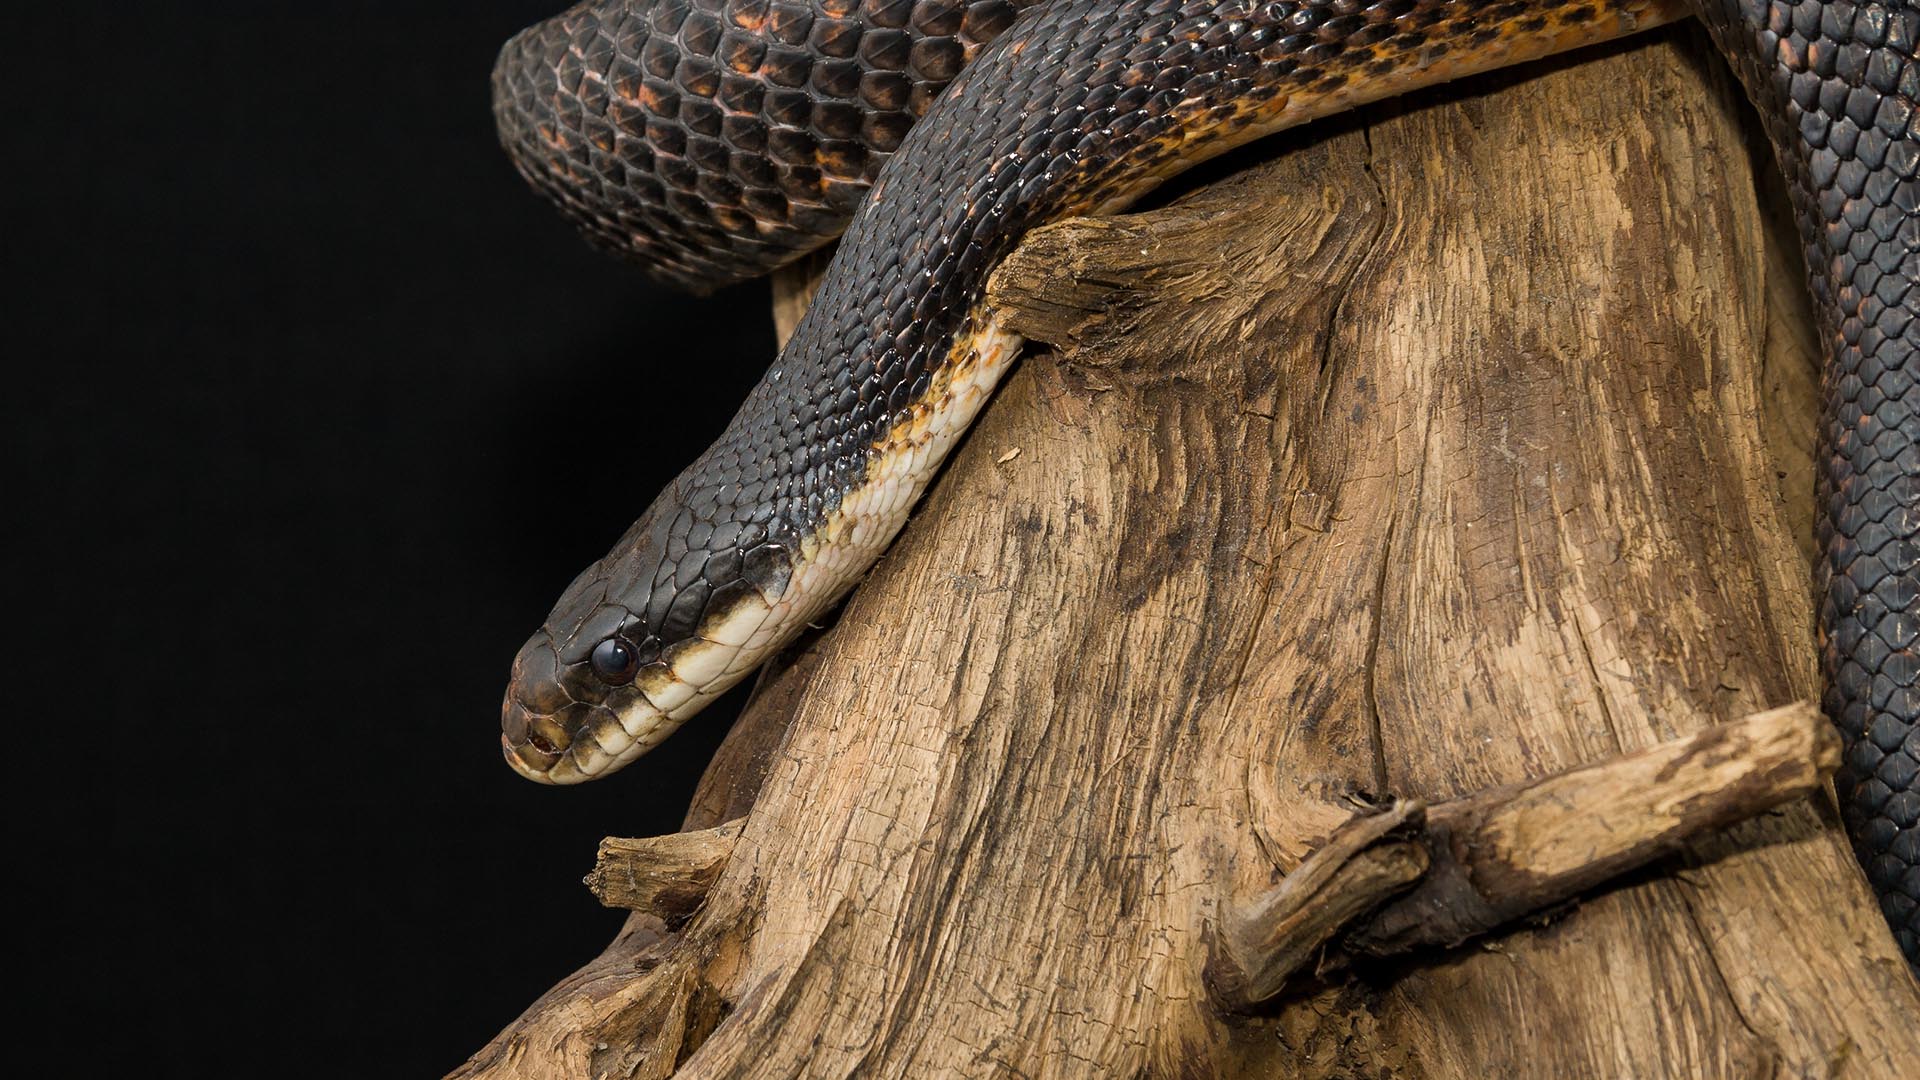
<point>1495,856</point>
<point>665,876</point>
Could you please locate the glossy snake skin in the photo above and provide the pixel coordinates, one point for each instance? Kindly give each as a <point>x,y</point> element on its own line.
<point>717,139</point>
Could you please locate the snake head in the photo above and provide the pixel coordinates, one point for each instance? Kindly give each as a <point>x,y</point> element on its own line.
<point>562,722</point>
<point>675,615</point>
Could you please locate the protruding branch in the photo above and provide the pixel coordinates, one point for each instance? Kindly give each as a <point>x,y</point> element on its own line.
<point>1492,857</point>
<point>1509,851</point>
<point>665,876</point>
<point>1368,860</point>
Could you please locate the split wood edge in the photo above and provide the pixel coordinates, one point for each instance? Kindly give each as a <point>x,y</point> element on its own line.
<point>1409,876</point>
<point>665,876</point>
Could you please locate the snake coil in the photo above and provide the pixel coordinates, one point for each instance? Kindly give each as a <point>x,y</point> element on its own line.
<point>717,139</point>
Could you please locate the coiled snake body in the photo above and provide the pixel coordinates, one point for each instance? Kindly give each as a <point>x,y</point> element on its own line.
<point>717,139</point>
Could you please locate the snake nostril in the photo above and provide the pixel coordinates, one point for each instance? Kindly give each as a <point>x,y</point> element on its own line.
<point>527,763</point>
<point>522,727</point>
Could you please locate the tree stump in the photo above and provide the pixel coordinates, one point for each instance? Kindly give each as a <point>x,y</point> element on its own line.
<point>1423,455</point>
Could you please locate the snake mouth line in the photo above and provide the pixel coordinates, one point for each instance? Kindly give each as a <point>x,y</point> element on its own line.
<point>545,752</point>
<point>582,741</point>
<point>585,741</point>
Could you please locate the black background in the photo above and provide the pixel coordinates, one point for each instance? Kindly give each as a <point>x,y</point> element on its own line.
<point>314,410</point>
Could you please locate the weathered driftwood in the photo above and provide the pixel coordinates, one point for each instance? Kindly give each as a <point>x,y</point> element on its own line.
<point>1455,445</point>
<point>665,876</point>
<point>1478,863</point>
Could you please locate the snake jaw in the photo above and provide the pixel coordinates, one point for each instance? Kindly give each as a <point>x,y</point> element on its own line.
<point>560,727</point>
<point>530,751</point>
<point>600,743</point>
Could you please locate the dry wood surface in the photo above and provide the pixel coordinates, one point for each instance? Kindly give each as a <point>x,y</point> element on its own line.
<point>1443,448</point>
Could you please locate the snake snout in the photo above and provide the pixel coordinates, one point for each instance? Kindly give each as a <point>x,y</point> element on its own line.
<point>558,727</point>
<point>532,744</point>
<point>538,718</point>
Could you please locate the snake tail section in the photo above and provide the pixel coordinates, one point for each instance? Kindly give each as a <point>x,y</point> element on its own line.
<point>1836,85</point>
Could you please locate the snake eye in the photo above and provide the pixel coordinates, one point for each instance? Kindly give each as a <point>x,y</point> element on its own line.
<point>615,661</point>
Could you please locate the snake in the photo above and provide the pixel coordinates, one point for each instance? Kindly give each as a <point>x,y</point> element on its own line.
<point>715,140</point>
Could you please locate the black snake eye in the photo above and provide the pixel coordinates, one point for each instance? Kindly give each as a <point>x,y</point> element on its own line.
<point>615,661</point>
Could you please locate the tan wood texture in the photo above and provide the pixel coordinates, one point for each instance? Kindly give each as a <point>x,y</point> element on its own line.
<point>667,876</point>
<point>1452,445</point>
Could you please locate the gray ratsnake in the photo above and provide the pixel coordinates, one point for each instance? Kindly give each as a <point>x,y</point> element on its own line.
<point>718,139</point>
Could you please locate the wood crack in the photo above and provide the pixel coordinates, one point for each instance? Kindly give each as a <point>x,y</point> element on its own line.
<point>1376,615</point>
